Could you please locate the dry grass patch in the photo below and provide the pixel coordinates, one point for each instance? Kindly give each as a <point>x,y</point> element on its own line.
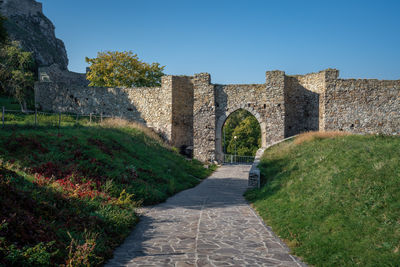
<point>310,136</point>
<point>121,123</point>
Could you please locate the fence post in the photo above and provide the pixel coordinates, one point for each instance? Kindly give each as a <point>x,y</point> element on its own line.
<point>90,118</point>
<point>59,122</point>
<point>231,158</point>
<point>101,117</point>
<point>77,118</point>
<point>35,116</point>
<point>3,115</point>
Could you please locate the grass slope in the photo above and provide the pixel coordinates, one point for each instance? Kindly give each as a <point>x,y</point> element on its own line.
<point>70,199</point>
<point>334,199</point>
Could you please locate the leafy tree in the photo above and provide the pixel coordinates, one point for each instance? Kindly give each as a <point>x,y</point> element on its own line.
<point>231,123</point>
<point>248,138</point>
<point>246,128</point>
<point>123,69</point>
<point>3,31</point>
<point>16,72</point>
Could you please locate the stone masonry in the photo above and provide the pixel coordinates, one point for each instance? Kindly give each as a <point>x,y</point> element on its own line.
<point>190,111</point>
<point>27,24</point>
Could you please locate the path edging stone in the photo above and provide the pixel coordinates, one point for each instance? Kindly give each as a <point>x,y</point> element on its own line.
<point>254,173</point>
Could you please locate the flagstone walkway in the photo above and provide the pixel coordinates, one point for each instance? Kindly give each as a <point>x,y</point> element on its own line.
<point>208,225</point>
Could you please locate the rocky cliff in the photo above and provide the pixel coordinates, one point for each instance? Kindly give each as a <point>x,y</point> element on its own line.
<point>27,24</point>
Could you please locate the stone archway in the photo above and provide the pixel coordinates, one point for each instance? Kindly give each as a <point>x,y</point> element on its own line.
<point>219,156</point>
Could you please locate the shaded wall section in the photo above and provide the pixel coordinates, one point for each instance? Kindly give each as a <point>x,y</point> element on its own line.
<point>182,112</point>
<point>304,97</point>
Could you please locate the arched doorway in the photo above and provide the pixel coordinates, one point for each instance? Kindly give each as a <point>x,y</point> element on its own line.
<point>248,135</point>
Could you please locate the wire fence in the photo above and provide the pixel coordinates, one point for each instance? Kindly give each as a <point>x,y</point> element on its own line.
<point>35,118</point>
<point>236,159</point>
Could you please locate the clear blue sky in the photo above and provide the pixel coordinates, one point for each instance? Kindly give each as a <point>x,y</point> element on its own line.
<point>236,41</point>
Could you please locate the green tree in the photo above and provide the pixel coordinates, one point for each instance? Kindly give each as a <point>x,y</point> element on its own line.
<point>248,138</point>
<point>122,69</point>
<point>246,128</point>
<point>3,31</point>
<point>16,72</point>
<point>231,123</point>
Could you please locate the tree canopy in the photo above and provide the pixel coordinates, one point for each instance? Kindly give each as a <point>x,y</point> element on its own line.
<point>246,128</point>
<point>17,72</point>
<point>3,31</point>
<point>122,69</point>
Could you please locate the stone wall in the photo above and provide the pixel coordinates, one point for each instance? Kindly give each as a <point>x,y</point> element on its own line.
<point>150,106</point>
<point>363,106</point>
<point>190,111</point>
<point>275,106</point>
<point>203,117</point>
<point>182,112</point>
<point>264,101</point>
<point>229,98</point>
<point>303,99</point>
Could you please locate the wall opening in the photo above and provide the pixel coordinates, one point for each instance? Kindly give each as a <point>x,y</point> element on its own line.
<point>241,134</point>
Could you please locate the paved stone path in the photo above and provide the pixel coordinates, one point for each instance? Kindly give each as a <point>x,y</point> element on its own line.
<point>209,225</point>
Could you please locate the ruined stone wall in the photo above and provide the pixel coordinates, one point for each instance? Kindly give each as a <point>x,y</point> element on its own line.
<point>229,98</point>
<point>275,106</point>
<point>264,101</point>
<point>203,117</point>
<point>304,96</point>
<point>232,97</point>
<point>182,112</point>
<point>190,111</point>
<point>54,73</point>
<point>150,106</point>
<point>362,106</point>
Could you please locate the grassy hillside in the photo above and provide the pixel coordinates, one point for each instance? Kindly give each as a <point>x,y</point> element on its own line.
<point>334,199</point>
<point>70,198</point>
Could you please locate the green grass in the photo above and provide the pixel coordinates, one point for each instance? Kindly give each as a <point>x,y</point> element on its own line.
<point>18,119</point>
<point>335,201</point>
<point>15,118</point>
<point>9,103</point>
<point>70,198</point>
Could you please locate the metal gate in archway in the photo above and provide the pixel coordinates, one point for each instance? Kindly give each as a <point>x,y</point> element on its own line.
<point>236,159</point>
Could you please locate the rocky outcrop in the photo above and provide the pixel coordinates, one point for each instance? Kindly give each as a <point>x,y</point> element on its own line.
<point>27,24</point>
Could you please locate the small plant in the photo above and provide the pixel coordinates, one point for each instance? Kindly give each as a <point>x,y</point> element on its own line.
<point>124,198</point>
<point>132,172</point>
<point>81,254</point>
<point>107,186</point>
<point>38,255</point>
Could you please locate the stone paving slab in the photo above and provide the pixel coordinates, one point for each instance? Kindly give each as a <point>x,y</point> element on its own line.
<point>208,225</point>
